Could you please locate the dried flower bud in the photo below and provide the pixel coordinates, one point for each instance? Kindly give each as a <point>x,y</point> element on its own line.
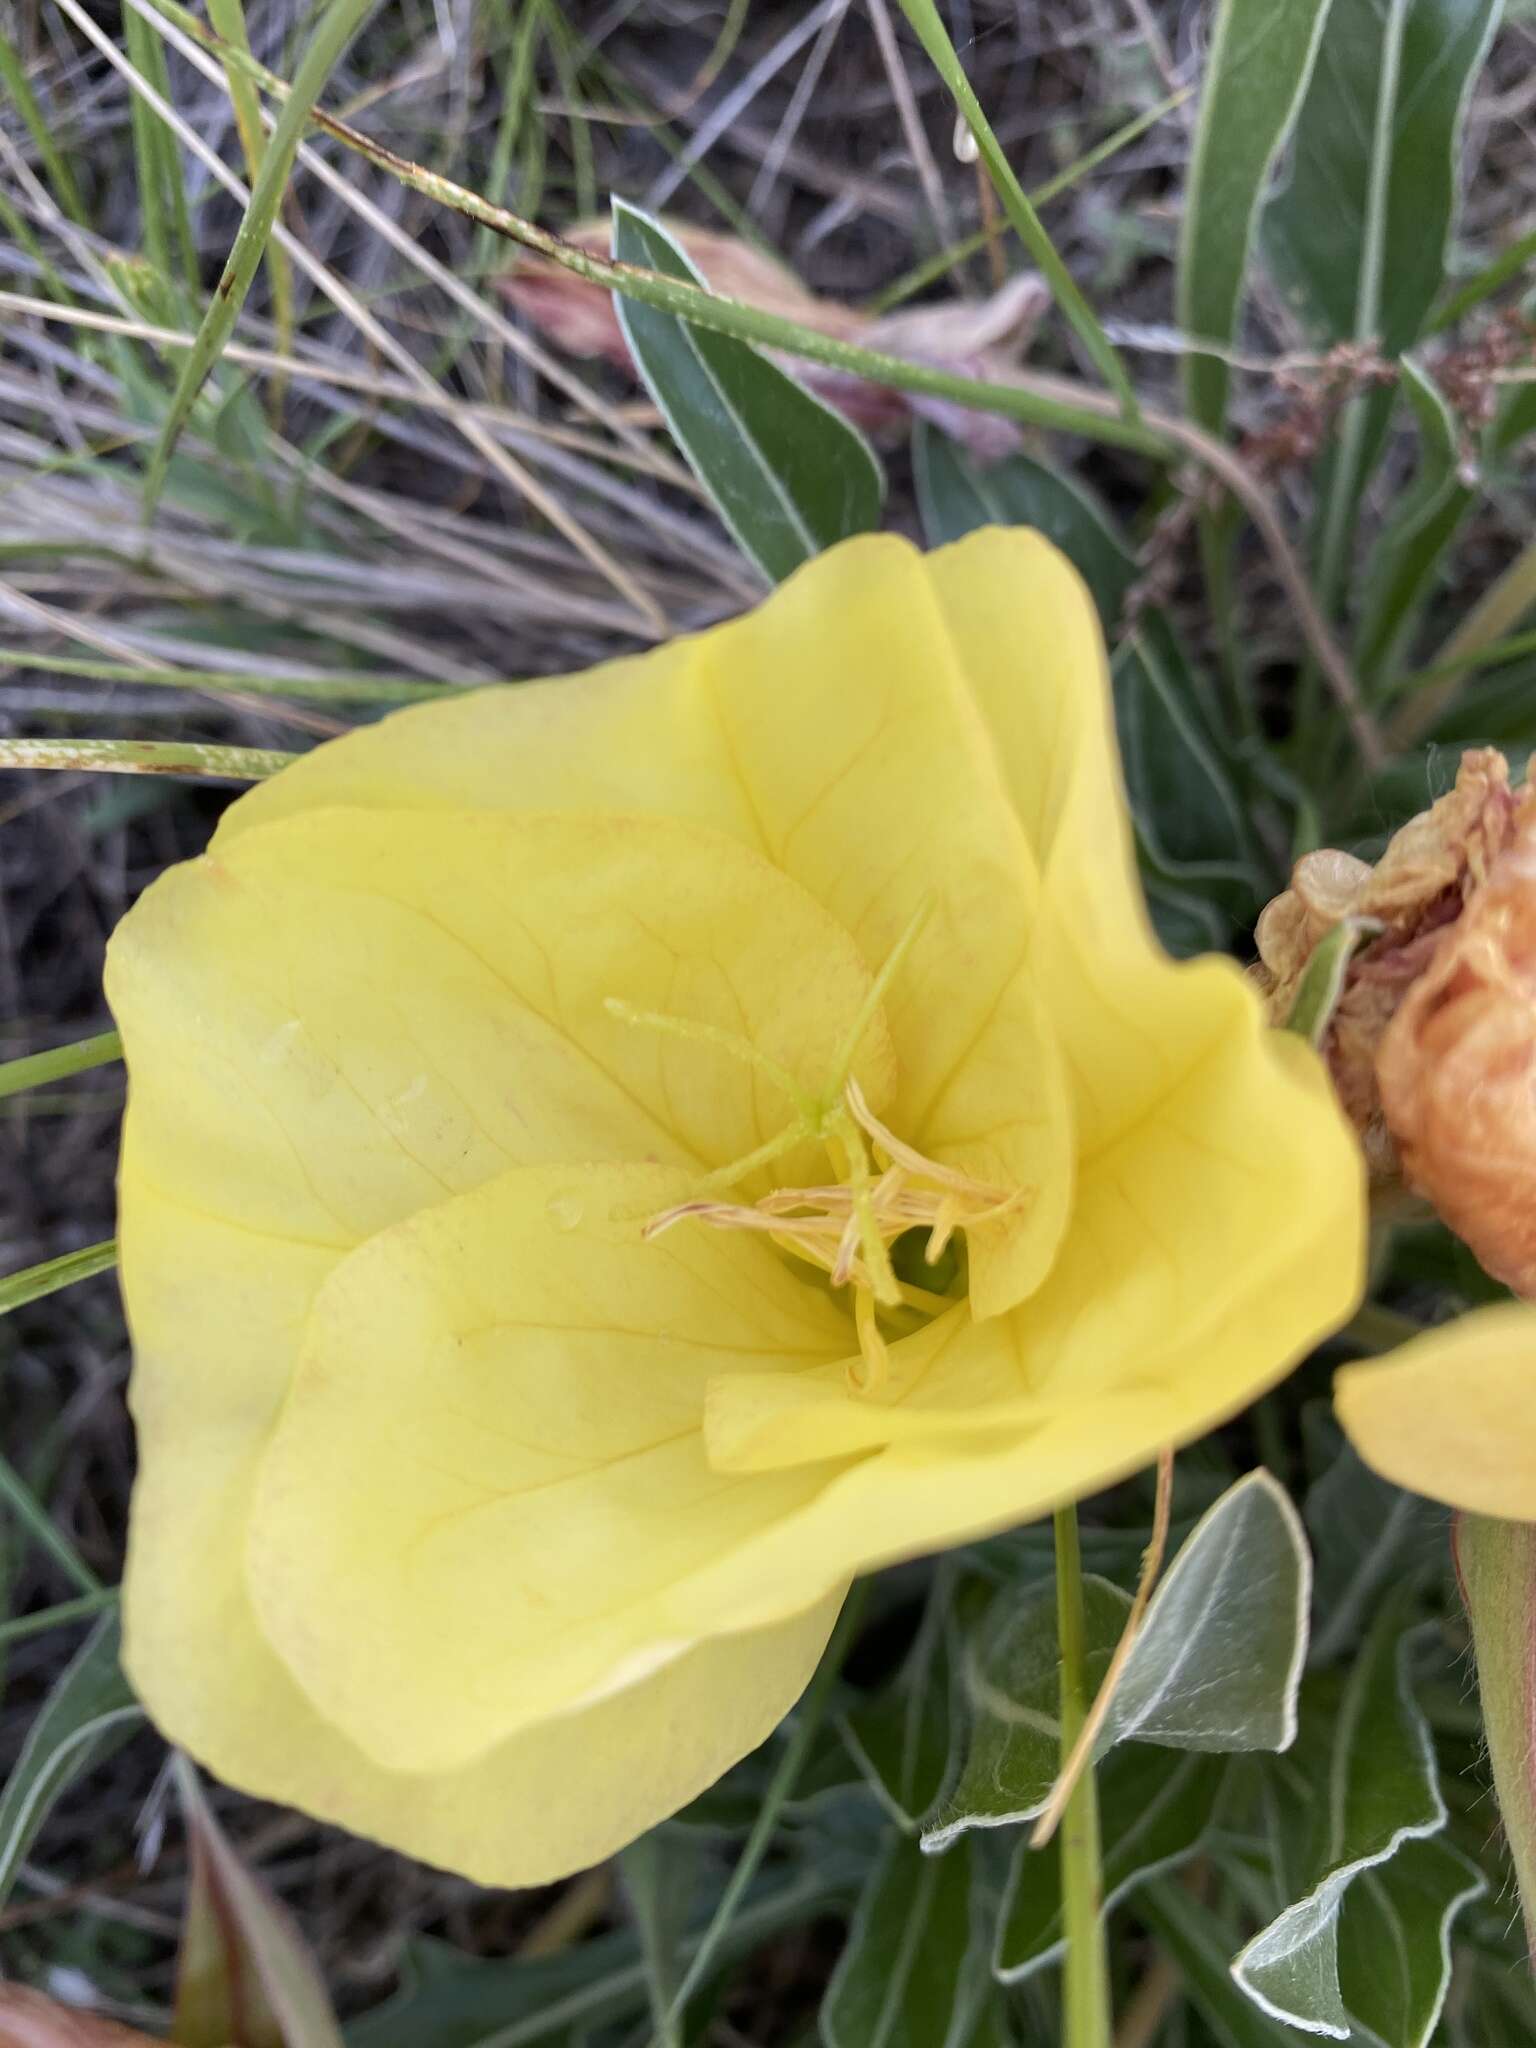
<point>1432,869</point>
<point>1457,1068</point>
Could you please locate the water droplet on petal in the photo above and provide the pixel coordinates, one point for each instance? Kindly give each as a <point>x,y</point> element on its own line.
<point>565,1211</point>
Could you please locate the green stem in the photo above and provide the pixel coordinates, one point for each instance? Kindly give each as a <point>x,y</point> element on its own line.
<point>1086,1967</point>
<point>806,1728</point>
<point>38,1068</point>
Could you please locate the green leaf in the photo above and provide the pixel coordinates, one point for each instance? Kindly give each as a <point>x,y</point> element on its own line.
<point>1395,1942</point>
<point>335,29</point>
<point>906,1739</point>
<point>660,1874</point>
<point>1261,57</point>
<point>1359,1784</point>
<point>788,475</point>
<point>452,2000</point>
<point>1154,1813</point>
<point>245,1977</point>
<point>1195,1940</point>
<point>89,1713</point>
<point>1421,527</point>
<point>1357,236</point>
<point>955,496</point>
<point>1010,1684</point>
<point>1218,1661</point>
<point>913,1973</point>
<point>1368,1536</point>
<point>1189,817</point>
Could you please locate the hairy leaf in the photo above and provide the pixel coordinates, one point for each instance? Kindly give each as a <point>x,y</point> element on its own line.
<point>1359,1784</point>
<point>1357,236</point>
<point>1260,59</point>
<point>90,1712</point>
<point>788,475</point>
<point>913,1973</point>
<point>1155,1811</point>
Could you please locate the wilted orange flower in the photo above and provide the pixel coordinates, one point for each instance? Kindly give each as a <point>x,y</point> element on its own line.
<point>1430,870</point>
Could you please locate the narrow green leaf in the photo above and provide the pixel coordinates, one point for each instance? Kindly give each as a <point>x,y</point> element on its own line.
<point>1395,1942</point>
<point>86,1608</point>
<point>1357,236</point>
<point>1368,1537</point>
<point>788,475</point>
<point>1360,1783</point>
<point>907,1739</point>
<point>660,1873</point>
<point>1189,816</point>
<point>1422,525</point>
<point>1261,57</point>
<point>245,1975</point>
<point>913,1973</point>
<point>35,1070</point>
<point>334,30</point>
<point>1218,1661</point>
<point>931,33</point>
<point>89,1713</point>
<point>1154,1813</point>
<point>1009,1682</point>
<point>33,1282</point>
<point>56,164</point>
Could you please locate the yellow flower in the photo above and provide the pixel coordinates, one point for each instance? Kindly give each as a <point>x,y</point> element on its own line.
<point>507,1447</point>
<point>1452,1414</point>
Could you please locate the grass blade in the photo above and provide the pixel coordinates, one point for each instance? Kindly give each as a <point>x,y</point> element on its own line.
<point>146,757</point>
<point>38,1068</point>
<point>336,28</point>
<point>33,1282</point>
<point>228,18</point>
<point>931,33</point>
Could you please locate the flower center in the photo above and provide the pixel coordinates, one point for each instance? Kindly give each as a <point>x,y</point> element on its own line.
<point>882,1188</point>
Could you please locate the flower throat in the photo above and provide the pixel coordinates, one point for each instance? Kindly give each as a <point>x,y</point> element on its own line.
<point>883,1188</point>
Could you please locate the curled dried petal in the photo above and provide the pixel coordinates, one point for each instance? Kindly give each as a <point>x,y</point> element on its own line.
<point>1433,867</point>
<point>1457,1068</point>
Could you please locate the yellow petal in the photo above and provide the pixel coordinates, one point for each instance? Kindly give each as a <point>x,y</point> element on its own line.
<point>1212,1244</point>
<point>348,1015</point>
<point>216,1314</point>
<point>1130,1023</point>
<point>1452,1414</point>
<point>834,731</point>
<point>488,1492</point>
